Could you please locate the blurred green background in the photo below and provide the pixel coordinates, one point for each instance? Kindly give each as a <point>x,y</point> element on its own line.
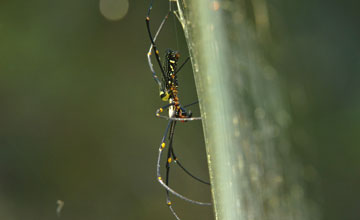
<point>316,49</point>
<point>78,115</point>
<point>78,100</point>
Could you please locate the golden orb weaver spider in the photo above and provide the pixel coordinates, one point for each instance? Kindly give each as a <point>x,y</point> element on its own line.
<point>168,88</point>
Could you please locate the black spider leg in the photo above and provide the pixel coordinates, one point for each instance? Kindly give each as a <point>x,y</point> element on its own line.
<point>155,77</point>
<point>187,59</point>
<point>147,20</point>
<point>168,162</point>
<point>188,113</point>
<point>176,160</point>
<point>158,173</point>
<point>193,103</point>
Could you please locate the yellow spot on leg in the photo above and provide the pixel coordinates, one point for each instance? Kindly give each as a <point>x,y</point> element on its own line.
<point>163,145</point>
<point>159,178</point>
<point>169,160</point>
<point>169,203</point>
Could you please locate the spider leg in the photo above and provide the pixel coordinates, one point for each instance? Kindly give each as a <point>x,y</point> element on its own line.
<point>188,114</point>
<point>178,70</point>
<point>171,138</point>
<point>168,162</point>
<point>160,110</point>
<point>159,178</point>
<point>149,54</point>
<point>193,103</point>
<point>147,20</point>
<point>176,160</point>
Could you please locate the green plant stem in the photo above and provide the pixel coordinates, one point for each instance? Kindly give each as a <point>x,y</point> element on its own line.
<point>244,116</point>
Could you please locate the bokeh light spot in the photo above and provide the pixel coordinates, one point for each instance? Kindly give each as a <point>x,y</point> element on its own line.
<point>114,9</point>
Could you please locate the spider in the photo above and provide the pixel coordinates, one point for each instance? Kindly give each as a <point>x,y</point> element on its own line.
<point>168,88</point>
